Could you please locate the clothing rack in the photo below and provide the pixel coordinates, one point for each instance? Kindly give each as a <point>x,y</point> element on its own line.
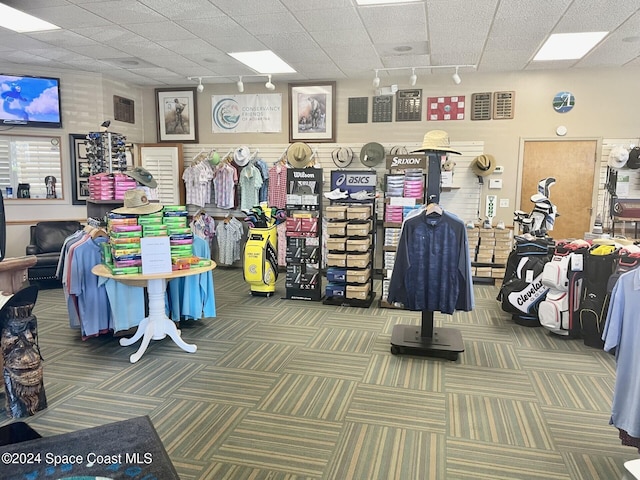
<point>426,339</point>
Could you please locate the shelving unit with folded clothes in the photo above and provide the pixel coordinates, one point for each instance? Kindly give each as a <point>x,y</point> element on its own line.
<point>350,246</point>
<point>404,193</point>
<point>303,231</point>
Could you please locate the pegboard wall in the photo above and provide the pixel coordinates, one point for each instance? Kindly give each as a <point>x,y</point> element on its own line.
<point>463,199</point>
<point>634,177</point>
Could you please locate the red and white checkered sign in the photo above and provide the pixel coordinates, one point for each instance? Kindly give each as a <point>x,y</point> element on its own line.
<point>445,108</point>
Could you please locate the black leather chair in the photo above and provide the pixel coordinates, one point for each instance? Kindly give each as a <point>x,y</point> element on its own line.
<point>46,243</point>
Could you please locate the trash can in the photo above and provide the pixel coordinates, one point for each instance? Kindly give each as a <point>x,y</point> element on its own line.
<point>260,268</point>
<point>22,363</point>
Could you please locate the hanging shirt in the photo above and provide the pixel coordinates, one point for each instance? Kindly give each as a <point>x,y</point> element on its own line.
<point>93,304</point>
<point>224,181</point>
<point>250,183</point>
<point>197,181</point>
<point>192,297</point>
<point>229,233</point>
<point>432,270</point>
<point>277,195</point>
<point>263,194</point>
<point>623,316</point>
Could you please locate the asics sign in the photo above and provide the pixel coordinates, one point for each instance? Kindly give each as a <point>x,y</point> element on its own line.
<point>359,179</point>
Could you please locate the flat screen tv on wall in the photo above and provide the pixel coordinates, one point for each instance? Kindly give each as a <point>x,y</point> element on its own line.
<point>30,101</point>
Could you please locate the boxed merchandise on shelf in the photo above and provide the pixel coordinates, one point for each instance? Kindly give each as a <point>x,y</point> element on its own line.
<point>338,229</point>
<point>360,229</point>
<point>336,244</point>
<point>336,260</point>
<point>358,260</point>
<point>335,290</point>
<point>483,272</point>
<point>358,245</point>
<point>360,292</point>
<point>358,276</point>
<point>358,212</point>
<point>336,275</point>
<point>337,212</point>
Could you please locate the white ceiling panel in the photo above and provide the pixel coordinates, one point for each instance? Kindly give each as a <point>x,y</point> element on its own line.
<point>321,39</point>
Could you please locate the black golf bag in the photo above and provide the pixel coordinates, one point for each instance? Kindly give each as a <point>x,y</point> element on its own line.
<point>598,267</point>
<point>522,289</point>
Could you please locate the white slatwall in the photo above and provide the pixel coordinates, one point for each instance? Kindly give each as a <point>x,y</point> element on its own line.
<point>463,200</point>
<point>634,176</point>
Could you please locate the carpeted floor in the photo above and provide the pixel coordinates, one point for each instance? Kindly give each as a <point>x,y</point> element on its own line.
<point>285,389</point>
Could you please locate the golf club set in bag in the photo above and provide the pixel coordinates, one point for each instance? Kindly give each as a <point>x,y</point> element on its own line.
<point>260,250</point>
<point>565,285</point>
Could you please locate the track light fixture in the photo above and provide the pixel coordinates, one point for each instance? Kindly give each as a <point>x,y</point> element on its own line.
<point>456,77</point>
<point>376,80</point>
<point>240,84</point>
<point>269,85</point>
<point>413,78</point>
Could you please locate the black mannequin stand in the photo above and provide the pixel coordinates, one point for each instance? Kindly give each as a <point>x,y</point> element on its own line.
<point>427,340</point>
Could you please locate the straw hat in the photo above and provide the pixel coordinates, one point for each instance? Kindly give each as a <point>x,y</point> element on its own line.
<point>241,156</point>
<point>372,154</point>
<point>136,202</point>
<point>436,140</point>
<point>342,157</point>
<point>142,176</point>
<point>299,154</point>
<point>483,165</point>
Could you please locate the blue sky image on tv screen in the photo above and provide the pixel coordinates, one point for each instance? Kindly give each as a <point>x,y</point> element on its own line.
<point>29,99</point>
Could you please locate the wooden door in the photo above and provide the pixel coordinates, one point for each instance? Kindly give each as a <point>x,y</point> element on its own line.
<point>572,164</point>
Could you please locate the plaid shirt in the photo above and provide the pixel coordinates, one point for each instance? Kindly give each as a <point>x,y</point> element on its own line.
<point>278,186</point>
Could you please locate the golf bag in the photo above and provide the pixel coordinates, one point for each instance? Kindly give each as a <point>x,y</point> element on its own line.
<point>599,265</point>
<point>522,289</point>
<point>558,312</point>
<point>544,213</point>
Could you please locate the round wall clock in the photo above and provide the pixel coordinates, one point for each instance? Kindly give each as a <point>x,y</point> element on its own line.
<point>563,102</point>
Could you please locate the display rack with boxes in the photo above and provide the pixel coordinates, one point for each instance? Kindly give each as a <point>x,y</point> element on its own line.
<point>404,191</point>
<point>351,239</point>
<point>489,248</point>
<point>303,231</point>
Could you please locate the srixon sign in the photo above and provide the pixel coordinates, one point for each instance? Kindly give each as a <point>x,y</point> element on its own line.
<point>403,162</point>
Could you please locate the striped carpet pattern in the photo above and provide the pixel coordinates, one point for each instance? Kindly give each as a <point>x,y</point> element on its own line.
<point>293,390</point>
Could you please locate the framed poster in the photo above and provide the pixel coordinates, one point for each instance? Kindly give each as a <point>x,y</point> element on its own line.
<point>177,115</point>
<point>312,112</point>
<point>80,171</point>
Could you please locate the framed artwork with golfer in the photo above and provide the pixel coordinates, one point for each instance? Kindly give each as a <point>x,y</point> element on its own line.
<point>312,112</point>
<point>177,115</point>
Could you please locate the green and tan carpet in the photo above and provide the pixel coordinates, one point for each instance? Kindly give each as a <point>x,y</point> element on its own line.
<point>292,390</point>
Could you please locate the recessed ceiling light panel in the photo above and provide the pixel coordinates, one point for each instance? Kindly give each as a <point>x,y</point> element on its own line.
<point>264,61</point>
<point>568,46</point>
<point>21,22</point>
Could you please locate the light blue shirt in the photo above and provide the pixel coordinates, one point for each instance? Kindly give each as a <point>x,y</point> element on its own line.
<point>623,315</point>
<point>193,296</point>
<point>93,304</point>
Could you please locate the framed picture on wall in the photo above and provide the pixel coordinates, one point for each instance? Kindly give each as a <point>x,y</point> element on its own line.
<point>177,115</point>
<point>79,169</point>
<point>312,112</point>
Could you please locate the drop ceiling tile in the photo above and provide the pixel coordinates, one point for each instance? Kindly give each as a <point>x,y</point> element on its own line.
<point>587,15</point>
<point>190,47</point>
<point>394,61</point>
<point>113,35</point>
<point>124,12</point>
<point>249,7</point>
<point>98,51</point>
<point>398,35</point>
<point>337,19</point>
<point>156,32</point>
<point>265,23</point>
<point>63,38</point>
<point>302,5</point>
<point>410,16</point>
<point>185,9</point>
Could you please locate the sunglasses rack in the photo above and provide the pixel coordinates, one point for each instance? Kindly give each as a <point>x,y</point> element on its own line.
<point>106,152</point>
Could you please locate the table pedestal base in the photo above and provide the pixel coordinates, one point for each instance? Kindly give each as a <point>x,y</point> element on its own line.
<point>157,325</point>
